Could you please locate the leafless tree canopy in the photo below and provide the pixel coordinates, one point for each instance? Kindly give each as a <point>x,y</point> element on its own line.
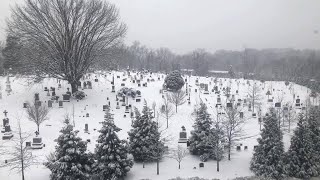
<point>36,113</point>
<point>177,98</point>
<point>20,158</point>
<point>232,125</point>
<point>65,37</point>
<point>179,154</point>
<point>254,93</point>
<point>167,112</point>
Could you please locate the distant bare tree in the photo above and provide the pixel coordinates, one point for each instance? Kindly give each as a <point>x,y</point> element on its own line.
<point>232,125</point>
<point>179,154</point>
<point>166,110</point>
<point>37,113</point>
<point>177,98</point>
<point>254,94</point>
<point>20,158</point>
<point>65,38</point>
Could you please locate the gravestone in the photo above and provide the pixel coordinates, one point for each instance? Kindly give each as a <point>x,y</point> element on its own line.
<point>201,165</point>
<point>5,122</point>
<point>25,105</point>
<point>60,104</point>
<point>86,128</point>
<point>104,107</point>
<point>277,105</point>
<point>37,143</point>
<point>53,93</point>
<point>138,100</point>
<point>241,115</point>
<point>87,115</point>
<point>254,115</point>
<point>66,97</point>
<point>89,84</point>
<point>122,84</point>
<point>206,89</point>
<point>229,105</point>
<point>50,103</point>
<point>36,97</point>
<point>84,85</point>
<point>117,107</point>
<point>45,88</point>
<point>238,148</point>
<point>113,89</point>
<point>183,135</point>
<point>127,109</point>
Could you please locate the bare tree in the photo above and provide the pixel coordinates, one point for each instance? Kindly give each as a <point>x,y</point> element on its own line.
<point>232,125</point>
<point>254,94</point>
<point>66,37</point>
<point>37,113</point>
<point>20,158</point>
<point>179,154</point>
<point>166,110</point>
<point>177,98</point>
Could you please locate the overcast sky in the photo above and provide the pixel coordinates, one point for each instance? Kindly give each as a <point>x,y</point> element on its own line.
<point>184,25</point>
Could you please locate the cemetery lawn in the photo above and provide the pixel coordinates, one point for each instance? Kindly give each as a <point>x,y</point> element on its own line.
<point>97,97</point>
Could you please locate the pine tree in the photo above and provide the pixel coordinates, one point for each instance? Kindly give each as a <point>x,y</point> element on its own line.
<point>70,160</point>
<point>144,137</point>
<point>300,160</point>
<point>267,156</point>
<point>112,157</point>
<point>314,125</point>
<point>199,140</point>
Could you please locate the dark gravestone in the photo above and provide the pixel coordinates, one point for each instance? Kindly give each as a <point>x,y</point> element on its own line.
<point>229,105</point>
<point>25,105</point>
<point>255,147</point>
<point>105,107</point>
<point>38,103</point>
<point>113,89</point>
<point>45,88</point>
<point>49,103</point>
<point>36,97</point>
<point>7,128</point>
<point>95,80</point>
<point>66,97</point>
<point>86,128</point>
<point>5,121</point>
<point>238,148</point>
<point>60,104</point>
<point>297,101</point>
<point>138,100</point>
<point>87,115</point>
<point>28,144</point>
<point>245,147</point>
<point>37,140</point>
<point>122,84</point>
<point>53,93</point>
<point>201,165</point>
<point>241,115</point>
<point>278,105</point>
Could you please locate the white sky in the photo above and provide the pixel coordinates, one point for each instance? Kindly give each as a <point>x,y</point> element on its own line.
<point>184,25</point>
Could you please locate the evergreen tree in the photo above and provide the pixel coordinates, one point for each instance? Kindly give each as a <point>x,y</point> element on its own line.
<point>144,137</point>
<point>267,156</point>
<point>314,125</point>
<point>200,142</point>
<point>70,160</point>
<point>112,157</point>
<point>12,53</point>
<point>174,81</point>
<point>300,160</point>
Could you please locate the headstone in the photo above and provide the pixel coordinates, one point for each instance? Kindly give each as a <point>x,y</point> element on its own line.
<point>229,105</point>
<point>238,148</point>
<point>183,135</point>
<point>86,128</point>
<point>50,103</point>
<point>201,165</point>
<point>60,104</point>
<point>87,115</point>
<point>53,93</point>
<point>117,107</point>
<point>241,115</point>
<point>66,97</point>
<point>113,89</point>
<point>25,105</point>
<point>104,107</point>
<point>36,97</point>
<point>277,105</point>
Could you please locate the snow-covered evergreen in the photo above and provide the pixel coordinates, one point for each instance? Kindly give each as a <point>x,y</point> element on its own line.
<point>314,125</point>
<point>70,160</point>
<point>268,155</point>
<point>113,160</point>
<point>174,81</point>
<point>300,159</point>
<point>200,142</point>
<point>144,137</point>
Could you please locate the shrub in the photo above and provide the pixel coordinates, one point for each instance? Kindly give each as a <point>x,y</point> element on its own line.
<point>174,81</point>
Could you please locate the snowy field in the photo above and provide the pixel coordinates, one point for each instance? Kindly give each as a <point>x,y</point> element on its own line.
<point>97,97</point>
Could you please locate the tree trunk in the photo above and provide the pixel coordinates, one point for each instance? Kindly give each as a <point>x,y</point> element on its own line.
<point>143,164</point>
<point>179,165</point>
<point>74,87</point>
<point>167,122</point>
<point>176,108</point>
<point>157,166</point>
<point>229,151</point>
<point>38,128</point>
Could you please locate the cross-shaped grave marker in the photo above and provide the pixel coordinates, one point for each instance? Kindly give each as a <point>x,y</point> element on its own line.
<point>5,112</point>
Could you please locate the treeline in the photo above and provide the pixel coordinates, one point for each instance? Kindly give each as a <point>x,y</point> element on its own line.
<point>267,64</point>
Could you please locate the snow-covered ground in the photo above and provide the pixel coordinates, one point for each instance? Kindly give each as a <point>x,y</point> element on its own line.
<point>97,97</point>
